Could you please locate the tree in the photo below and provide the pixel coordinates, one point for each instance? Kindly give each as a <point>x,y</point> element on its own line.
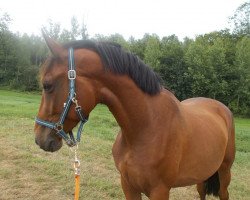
<point>75,28</point>
<point>215,65</point>
<point>5,20</point>
<point>137,47</point>
<point>76,32</point>
<point>218,88</point>
<point>241,19</point>
<point>65,36</point>
<point>242,63</point>
<point>99,37</point>
<point>83,31</point>
<point>53,29</point>
<point>8,57</point>
<point>152,52</point>
<point>38,50</point>
<point>172,67</point>
<point>119,39</point>
<point>198,70</point>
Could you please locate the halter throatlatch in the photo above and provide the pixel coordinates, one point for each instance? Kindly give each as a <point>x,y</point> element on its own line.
<point>58,126</point>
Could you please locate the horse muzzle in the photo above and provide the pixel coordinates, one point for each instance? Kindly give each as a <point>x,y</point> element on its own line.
<point>49,143</point>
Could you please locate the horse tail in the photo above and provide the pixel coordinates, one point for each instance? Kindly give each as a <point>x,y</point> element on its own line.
<point>212,185</point>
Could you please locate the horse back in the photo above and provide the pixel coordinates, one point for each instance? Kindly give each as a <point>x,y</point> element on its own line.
<point>205,107</point>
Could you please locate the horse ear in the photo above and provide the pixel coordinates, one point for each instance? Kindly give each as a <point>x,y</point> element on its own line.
<point>56,49</point>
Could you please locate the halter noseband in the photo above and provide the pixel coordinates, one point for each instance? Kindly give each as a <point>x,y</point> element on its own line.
<point>58,126</point>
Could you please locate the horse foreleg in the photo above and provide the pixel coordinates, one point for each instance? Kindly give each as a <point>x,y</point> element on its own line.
<point>201,191</point>
<point>160,193</point>
<point>129,191</point>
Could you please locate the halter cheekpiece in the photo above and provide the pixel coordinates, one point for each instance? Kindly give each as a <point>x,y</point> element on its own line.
<point>58,126</point>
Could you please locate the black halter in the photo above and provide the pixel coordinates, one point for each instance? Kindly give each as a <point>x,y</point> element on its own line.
<point>58,126</point>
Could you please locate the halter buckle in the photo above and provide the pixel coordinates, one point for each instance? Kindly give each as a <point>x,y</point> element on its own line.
<point>72,74</point>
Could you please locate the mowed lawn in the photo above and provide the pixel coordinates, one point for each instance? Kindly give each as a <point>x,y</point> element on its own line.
<point>27,172</point>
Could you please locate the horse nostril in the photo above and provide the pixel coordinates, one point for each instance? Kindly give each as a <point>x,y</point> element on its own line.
<point>36,141</point>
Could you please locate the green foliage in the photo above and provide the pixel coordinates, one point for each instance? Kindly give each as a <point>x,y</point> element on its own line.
<point>241,19</point>
<point>76,31</point>
<point>242,63</point>
<point>4,22</point>
<point>152,52</point>
<point>215,72</point>
<point>173,68</point>
<point>116,38</point>
<point>8,54</point>
<point>137,47</point>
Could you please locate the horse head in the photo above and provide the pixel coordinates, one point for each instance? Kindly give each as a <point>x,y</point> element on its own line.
<point>55,82</point>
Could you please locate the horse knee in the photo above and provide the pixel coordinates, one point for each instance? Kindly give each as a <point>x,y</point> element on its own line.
<point>159,193</point>
<point>129,192</point>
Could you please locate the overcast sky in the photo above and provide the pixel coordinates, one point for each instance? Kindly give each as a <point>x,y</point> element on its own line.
<point>127,17</point>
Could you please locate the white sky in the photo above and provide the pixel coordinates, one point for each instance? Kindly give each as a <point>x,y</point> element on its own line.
<point>127,17</point>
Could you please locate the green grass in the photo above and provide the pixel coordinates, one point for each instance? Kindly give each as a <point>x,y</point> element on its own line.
<point>243,135</point>
<point>27,172</point>
<point>18,104</point>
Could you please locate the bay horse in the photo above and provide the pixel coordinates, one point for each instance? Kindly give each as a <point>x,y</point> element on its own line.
<point>163,143</point>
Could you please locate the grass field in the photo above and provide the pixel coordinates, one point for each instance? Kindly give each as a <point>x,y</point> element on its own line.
<point>28,173</point>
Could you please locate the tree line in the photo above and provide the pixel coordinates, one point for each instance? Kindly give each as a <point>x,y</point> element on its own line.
<point>215,65</point>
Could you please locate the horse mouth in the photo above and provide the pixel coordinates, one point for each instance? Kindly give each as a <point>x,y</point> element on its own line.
<point>51,144</point>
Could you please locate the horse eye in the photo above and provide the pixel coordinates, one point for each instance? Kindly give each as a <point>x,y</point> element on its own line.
<point>47,87</point>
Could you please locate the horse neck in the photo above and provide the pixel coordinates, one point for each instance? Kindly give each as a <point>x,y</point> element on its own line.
<point>133,109</point>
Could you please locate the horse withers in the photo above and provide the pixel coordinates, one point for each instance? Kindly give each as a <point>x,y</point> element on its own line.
<point>163,143</point>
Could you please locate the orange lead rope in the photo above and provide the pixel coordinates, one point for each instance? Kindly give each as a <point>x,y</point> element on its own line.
<point>77,176</point>
<point>77,186</point>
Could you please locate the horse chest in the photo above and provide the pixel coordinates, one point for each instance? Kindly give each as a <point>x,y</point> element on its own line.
<point>134,168</point>
<point>135,171</point>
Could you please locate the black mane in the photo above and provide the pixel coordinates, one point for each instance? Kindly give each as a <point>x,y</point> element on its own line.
<point>119,61</point>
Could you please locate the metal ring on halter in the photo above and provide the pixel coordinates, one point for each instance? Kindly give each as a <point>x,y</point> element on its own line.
<point>58,126</point>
